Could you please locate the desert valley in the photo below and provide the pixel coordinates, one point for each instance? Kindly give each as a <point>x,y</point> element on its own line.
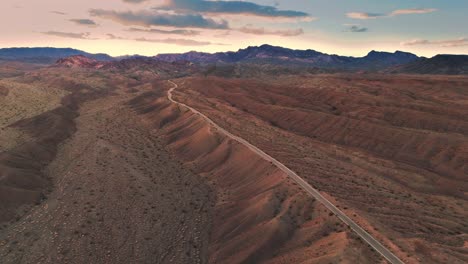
<point>148,159</point>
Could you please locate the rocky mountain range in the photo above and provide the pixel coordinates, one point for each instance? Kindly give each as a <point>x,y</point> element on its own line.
<point>284,56</point>
<point>46,55</point>
<point>440,64</point>
<point>396,62</point>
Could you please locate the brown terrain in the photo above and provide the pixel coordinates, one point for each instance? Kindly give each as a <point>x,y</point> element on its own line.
<point>392,151</point>
<point>80,61</point>
<point>98,166</point>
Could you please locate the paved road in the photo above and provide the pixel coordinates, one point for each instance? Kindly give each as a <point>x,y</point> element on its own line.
<point>387,254</point>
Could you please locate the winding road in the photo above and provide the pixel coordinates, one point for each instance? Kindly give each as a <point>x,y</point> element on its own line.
<point>369,239</point>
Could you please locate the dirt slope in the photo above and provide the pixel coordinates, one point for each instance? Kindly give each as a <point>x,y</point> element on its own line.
<point>126,175</point>
<point>117,195</point>
<point>260,215</point>
<point>390,150</point>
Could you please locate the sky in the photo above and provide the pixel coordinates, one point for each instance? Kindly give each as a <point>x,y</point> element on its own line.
<point>150,27</point>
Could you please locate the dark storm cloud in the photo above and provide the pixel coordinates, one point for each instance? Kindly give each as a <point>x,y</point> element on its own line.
<point>147,19</point>
<point>230,7</point>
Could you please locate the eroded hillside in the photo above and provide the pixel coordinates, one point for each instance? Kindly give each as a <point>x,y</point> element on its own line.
<point>98,166</point>
<point>260,214</point>
<point>104,168</point>
<point>391,150</point>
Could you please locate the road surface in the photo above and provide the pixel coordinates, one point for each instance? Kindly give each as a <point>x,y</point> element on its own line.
<point>387,254</point>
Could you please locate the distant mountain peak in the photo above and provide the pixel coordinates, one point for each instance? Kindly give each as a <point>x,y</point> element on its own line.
<point>401,52</point>
<point>391,59</point>
<point>80,61</point>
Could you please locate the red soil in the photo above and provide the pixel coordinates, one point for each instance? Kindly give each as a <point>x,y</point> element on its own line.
<point>260,216</point>
<point>392,148</point>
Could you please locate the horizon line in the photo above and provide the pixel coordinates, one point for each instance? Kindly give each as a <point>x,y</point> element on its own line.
<point>136,54</point>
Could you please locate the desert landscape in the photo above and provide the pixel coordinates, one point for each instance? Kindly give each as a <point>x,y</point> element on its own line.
<point>379,144</point>
<point>132,160</point>
<point>233,132</point>
<point>130,163</point>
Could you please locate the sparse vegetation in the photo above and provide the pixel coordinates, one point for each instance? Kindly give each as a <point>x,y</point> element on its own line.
<point>135,171</point>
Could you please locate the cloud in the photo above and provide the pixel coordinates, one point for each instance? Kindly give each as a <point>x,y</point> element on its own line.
<point>415,42</point>
<point>249,29</point>
<point>441,43</point>
<point>181,42</point>
<point>184,32</point>
<point>58,13</point>
<point>361,15</point>
<point>68,34</point>
<point>147,19</point>
<point>174,41</point>
<point>230,7</point>
<point>353,28</point>
<point>412,11</point>
<point>112,36</point>
<point>84,22</point>
<point>364,15</point>
<point>135,1</point>
<point>223,34</point>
